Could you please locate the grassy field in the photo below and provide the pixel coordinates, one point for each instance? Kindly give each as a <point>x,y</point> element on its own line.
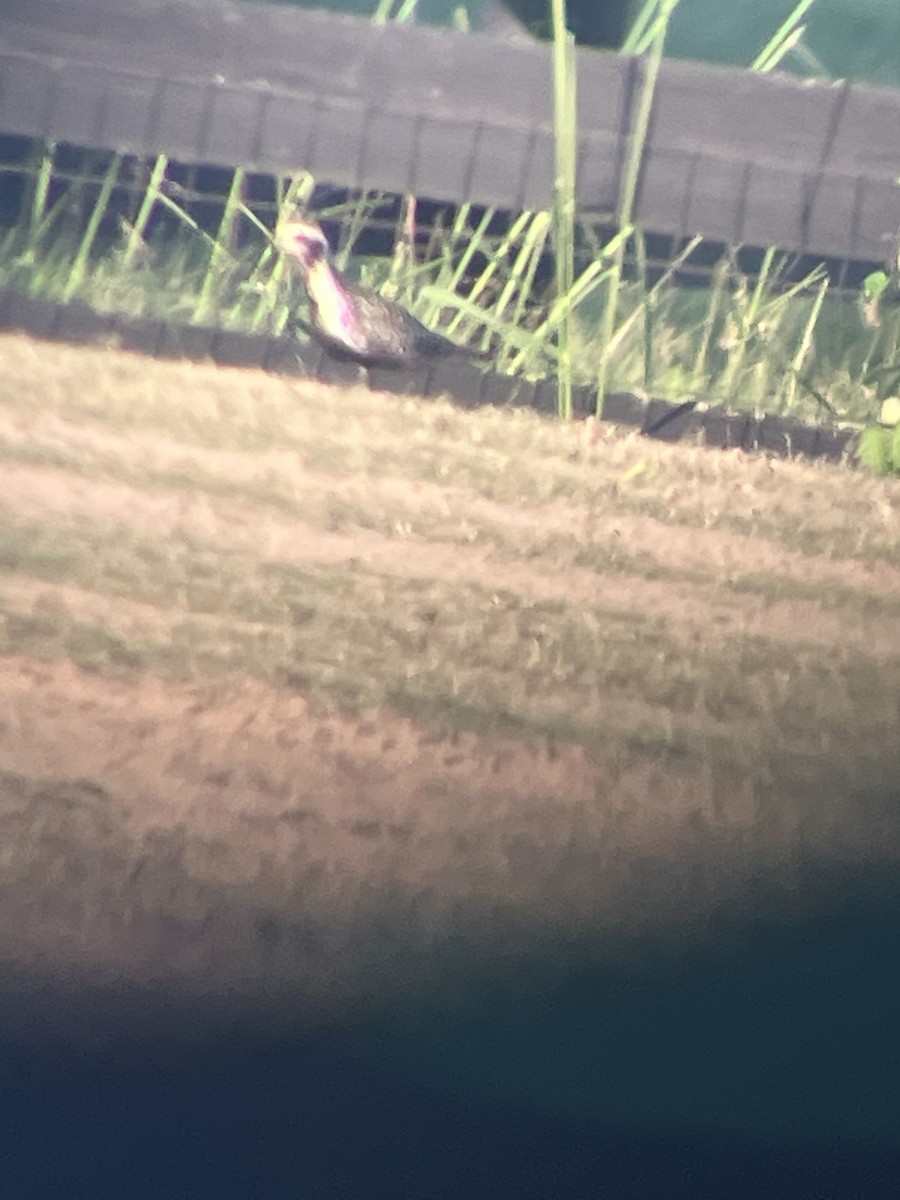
<point>300,683</point>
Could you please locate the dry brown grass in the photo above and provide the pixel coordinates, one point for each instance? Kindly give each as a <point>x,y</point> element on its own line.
<point>326,662</point>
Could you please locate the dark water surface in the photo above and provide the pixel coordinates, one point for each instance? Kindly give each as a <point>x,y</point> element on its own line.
<point>762,1060</point>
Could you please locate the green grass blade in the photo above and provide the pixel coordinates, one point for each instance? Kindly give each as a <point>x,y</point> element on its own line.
<point>789,390</point>
<point>78,271</point>
<point>222,248</point>
<point>783,40</point>
<point>148,203</point>
<point>41,191</point>
<point>625,209</point>
<point>700,374</point>
<point>651,24</point>
<point>382,13</point>
<point>566,144</point>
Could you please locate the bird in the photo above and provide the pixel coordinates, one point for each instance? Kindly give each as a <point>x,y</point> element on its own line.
<point>354,322</point>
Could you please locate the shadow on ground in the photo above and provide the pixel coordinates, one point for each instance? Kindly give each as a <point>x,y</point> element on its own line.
<point>755,1057</point>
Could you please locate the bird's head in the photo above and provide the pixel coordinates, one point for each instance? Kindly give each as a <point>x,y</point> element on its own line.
<point>303,240</point>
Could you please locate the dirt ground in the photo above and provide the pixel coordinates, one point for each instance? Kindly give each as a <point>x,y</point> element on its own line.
<point>314,692</point>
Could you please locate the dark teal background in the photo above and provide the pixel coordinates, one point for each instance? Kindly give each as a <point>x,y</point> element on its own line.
<point>755,1057</point>
<point>852,39</point>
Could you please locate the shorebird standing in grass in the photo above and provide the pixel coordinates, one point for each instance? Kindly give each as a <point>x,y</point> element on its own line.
<point>352,321</point>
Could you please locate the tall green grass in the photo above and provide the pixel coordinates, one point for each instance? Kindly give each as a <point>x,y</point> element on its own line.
<point>565,124</point>
<point>656,21</point>
<point>600,318</point>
